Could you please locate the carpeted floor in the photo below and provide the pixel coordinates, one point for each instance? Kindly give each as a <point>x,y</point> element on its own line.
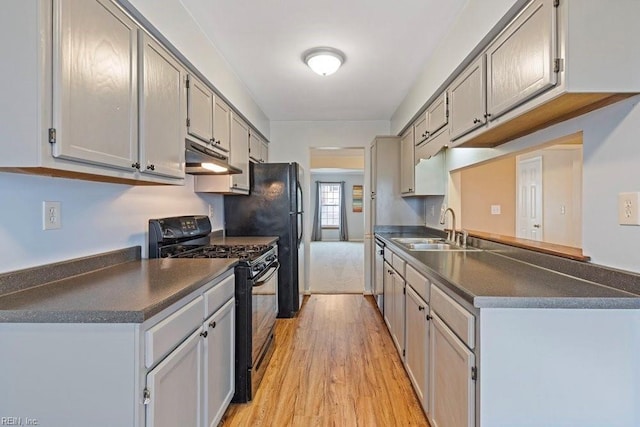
<point>337,268</point>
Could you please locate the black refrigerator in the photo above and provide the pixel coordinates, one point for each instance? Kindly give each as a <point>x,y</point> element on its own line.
<point>274,208</point>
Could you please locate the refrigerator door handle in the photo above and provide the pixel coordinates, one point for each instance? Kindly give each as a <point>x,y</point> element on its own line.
<point>301,231</point>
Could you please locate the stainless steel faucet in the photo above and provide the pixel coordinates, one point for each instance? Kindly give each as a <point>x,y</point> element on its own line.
<point>451,235</point>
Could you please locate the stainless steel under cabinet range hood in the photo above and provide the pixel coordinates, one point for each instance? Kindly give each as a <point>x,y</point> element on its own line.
<point>204,161</point>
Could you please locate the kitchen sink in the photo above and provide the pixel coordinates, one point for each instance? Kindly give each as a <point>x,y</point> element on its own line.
<point>417,240</point>
<point>429,244</point>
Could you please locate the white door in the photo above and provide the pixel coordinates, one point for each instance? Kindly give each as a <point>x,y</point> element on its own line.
<point>417,344</point>
<point>200,110</point>
<point>452,388</point>
<point>174,386</point>
<point>161,116</point>
<point>239,156</point>
<point>529,199</point>
<point>219,365</point>
<point>388,295</point>
<point>398,312</point>
<point>95,84</point>
<point>221,123</point>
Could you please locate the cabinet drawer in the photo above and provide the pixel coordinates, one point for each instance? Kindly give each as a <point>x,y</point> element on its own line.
<point>217,296</point>
<point>454,315</point>
<point>418,282</point>
<point>398,264</point>
<point>388,255</point>
<point>169,333</point>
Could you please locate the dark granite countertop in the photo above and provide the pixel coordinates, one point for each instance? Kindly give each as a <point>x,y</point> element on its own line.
<point>485,279</point>
<point>129,292</point>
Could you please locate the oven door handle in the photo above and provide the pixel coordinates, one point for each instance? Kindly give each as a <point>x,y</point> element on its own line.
<point>275,266</point>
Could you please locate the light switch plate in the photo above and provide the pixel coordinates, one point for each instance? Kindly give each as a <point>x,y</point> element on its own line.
<point>496,209</point>
<point>628,213</point>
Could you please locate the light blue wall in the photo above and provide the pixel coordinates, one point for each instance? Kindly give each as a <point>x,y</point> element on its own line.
<point>96,217</point>
<point>355,220</point>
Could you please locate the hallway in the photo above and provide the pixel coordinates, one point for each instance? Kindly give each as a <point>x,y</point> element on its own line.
<point>337,268</point>
<point>334,365</point>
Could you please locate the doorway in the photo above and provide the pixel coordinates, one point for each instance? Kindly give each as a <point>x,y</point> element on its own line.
<point>337,212</point>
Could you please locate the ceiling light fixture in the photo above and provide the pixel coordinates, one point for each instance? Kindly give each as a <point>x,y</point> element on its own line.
<point>324,60</point>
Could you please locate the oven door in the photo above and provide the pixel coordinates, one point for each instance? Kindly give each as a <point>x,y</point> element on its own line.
<point>264,303</point>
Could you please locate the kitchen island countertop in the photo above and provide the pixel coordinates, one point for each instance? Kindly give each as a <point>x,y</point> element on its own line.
<point>486,279</point>
<point>129,292</point>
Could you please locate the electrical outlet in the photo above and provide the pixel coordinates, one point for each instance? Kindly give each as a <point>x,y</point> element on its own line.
<point>211,213</point>
<point>628,213</point>
<point>433,210</point>
<point>51,215</point>
<point>496,209</point>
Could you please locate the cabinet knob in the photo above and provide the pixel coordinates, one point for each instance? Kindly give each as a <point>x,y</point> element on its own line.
<point>136,165</point>
<point>486,116</point>
<point>212,324</point>
<point>212,141</point>
<point>381,252</point>
<point>151,167</point>
<point>411,190</point>
<point>476,121</point>
<point>420,308</point>
<point>429,317</point>
<point>536,225</point>
<point>204,334</point>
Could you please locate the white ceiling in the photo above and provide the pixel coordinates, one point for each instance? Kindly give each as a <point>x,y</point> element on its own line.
<point>386,42</point>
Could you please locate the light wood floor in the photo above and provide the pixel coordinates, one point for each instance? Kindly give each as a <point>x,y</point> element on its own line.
<point>334,365</point>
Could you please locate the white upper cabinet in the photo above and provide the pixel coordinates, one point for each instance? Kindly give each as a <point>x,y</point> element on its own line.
<point>95,80</point>
<point>437,115</point>
<point>520,62</point>
<point>200,110</point>
<point>407,165</point>
<point>239,153</point>
<point>468,99</point>
<point>221,125</point>
<point>208,116</point>
<point>420,129</point>
<point>161,126</point>
<point>258,149</point>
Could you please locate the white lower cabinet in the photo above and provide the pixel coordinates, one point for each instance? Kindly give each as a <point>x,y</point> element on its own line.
<point>397,325</point>
<point>388,294</point>
<point>173,387</point>
<point>219,363</point>
<point>451,373</point>
<point>417,344</point>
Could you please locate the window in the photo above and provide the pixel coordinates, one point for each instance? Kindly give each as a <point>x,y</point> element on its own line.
<point>330,205</point>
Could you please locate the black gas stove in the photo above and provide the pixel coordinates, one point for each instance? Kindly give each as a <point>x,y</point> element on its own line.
<point>256,289</point>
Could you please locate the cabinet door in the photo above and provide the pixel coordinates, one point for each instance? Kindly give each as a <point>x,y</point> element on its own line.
<point>255,148</point>
<point>437,115</point>
<point>520,61</point>
<point>95,84</point>
<point>398,312</point>
<point>200,110</point>
<point>417,344</point>
<point>452,390</point>
<point>239,156</point>
<point>219,367</point>
<point>221,125</point>
<point>373,153</point>
<point>420,129</point>
<point>161,116</point>
<point>265,152</point>
<point>407,164</point>
<point>468,99</point>
<point>388,295</point>
<point>174,386</point>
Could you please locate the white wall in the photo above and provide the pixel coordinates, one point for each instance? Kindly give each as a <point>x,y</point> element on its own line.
<point>176,24</point>
<point>474,23</point>
<point>355,220</point>
<point>96,217</point>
